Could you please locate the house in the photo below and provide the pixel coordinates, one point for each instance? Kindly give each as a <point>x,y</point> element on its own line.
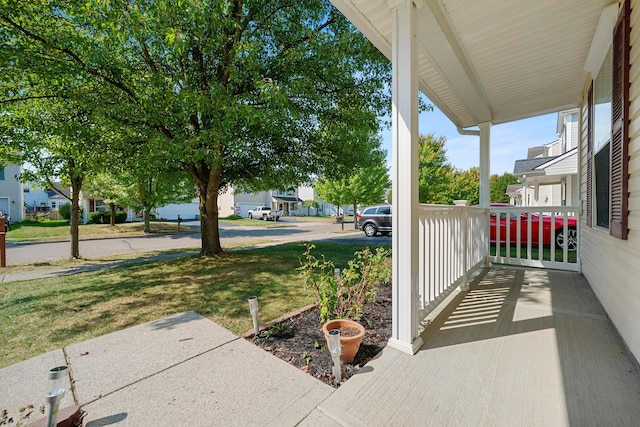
<point>39,198</point>
<point>486,62</point>
<point>11,195</point>
<point>290,202</point>
<point>549,174</point>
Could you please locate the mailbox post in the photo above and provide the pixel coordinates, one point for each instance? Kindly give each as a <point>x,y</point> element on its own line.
<point>3,244</point>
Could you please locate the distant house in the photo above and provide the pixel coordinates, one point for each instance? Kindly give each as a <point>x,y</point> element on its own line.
<point>289,202</point>
<point>40,199</point>
<point>11,195</point>
<point>549,174</point>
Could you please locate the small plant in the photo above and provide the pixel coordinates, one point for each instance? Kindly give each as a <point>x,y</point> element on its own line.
<point>306,357</point>
<point>344,296</point>
<point>274,330</point>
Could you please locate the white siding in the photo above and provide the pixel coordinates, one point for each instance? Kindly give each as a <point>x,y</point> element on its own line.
<point>565,166</point>
<point>573,191</point>
<point>34,196</point>
<point>611,265</point>
<point>11,195</point>
<point>185,210</point>
<point>226,202</point>
<point>574,134</point>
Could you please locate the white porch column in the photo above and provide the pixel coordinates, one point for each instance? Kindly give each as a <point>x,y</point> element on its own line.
<point>485,167</point>
<point>404,335</point>
<point>485,173</point>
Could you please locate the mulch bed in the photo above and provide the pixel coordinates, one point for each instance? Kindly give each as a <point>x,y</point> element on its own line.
<point>300,340</point>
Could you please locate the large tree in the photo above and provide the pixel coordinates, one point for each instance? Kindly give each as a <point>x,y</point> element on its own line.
<point>257,94</point>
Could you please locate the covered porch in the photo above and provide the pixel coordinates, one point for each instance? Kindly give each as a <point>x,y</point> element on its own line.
<point>522,347</point>
<point>475,342</point>
<point>481,62</point>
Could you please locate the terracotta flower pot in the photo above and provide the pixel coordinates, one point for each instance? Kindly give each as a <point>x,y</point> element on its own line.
<point>351,334</point>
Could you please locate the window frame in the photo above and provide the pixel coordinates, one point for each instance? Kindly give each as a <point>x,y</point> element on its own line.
<point>619,139</point>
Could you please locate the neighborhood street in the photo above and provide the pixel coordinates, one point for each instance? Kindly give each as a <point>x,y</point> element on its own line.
<point>231,236</point>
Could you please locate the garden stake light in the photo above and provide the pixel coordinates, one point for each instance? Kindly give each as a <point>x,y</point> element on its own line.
<point>253,309</point>
<point>56,393</point>
<point>334,348</point>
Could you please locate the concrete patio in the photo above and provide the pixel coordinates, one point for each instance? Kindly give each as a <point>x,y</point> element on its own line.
<point>523,347</point>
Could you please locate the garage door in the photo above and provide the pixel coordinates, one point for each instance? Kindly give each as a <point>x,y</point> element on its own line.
<point>4,204</point>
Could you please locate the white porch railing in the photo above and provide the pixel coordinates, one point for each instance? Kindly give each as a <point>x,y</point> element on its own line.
<point>541,236</point>
<point>451,245</point>
<point>454,240</point>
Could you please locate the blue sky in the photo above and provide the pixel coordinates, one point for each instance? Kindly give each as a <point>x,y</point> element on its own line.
<point>509,141</point>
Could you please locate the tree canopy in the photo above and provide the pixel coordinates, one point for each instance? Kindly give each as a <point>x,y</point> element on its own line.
<point>498,187</point>
<point>59,141</point>
<point>435,174</point>
<point>257,94</point>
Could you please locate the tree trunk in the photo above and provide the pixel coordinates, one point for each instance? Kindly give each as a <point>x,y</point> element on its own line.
<point>147,220</point>
<point>208,185</point>
<point>355,216</point>
<point>112,212</point>
<point>76,185</point>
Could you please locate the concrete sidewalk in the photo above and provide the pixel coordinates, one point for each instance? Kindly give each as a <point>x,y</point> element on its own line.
<point>181,370</point>
<point>522,347</point>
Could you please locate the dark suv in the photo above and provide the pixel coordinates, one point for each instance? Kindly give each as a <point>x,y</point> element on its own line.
<point>375,219</point>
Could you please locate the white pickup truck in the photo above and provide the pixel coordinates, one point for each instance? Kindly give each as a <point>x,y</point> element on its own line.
<point>264,213</point>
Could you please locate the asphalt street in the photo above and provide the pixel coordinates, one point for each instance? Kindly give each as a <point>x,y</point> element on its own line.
<point>230,235</point>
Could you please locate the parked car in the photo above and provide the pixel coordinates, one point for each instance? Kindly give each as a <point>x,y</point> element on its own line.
<point>7,219</point>
<point>551,231</point>
<point>375,219</point>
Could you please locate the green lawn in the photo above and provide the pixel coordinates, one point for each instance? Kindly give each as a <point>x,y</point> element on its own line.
<point>41,315</point>
<point>58,229</point>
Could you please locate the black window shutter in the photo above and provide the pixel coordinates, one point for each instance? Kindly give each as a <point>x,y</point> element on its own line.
<point>619,187</point>
<point>590,156</point>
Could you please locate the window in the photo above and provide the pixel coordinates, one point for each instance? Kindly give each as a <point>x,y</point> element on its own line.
<point>384,210</point>
<point>601,139</point>
<point>53,204</point>
<point>608,134</point>
<point>2,173</point>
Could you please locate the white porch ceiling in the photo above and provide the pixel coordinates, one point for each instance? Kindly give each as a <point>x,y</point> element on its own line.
<point>493,60</point>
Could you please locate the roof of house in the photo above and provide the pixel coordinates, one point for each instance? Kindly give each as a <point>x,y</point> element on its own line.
<point>513,188</point>
<point>526,166</point>
<point>53,194</point>
<point>288,199</point>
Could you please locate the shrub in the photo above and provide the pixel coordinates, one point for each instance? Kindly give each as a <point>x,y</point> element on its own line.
<point>98,218</point>
<point>105,217</point>
<point>344,296</point>
<point>121,217</point>
<point>65,211</point>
